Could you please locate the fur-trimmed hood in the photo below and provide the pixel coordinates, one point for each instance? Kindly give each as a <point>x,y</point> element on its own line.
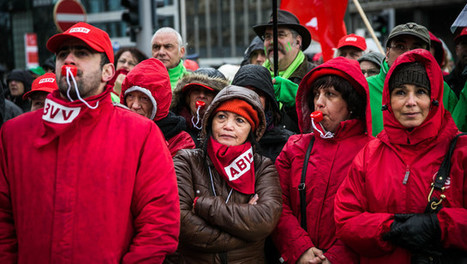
<point>180,94</point>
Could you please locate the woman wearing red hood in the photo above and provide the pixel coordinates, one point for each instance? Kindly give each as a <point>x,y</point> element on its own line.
<point>146,90</point>
<point>306,230</point>
<point>382,209</point>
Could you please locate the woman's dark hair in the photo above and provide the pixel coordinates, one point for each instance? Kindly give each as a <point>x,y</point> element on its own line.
<point>138,54</point>
<point>356,103</point>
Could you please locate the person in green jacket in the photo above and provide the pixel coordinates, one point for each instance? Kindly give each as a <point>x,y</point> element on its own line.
<point>167,46</point>
<point>292,63</point>
<point>460,112</point>
<point>402,38</point>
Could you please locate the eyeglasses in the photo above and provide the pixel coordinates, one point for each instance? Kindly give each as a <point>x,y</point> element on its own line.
<point>280,35</point>
<point>401,48</point>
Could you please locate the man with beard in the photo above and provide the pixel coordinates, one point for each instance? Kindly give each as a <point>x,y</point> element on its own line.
<point>292,63</point>
<point>84,181</point>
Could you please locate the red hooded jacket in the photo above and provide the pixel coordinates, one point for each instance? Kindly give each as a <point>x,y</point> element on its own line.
<point>393,173</point>
<point>86,186</point>
<point>151,78</point>
<point>327,168</point>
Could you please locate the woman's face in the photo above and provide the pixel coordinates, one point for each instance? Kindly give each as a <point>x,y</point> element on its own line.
<point>410,104</point>
<point>230,129</point>
<point>126,61</point>
<point>332,105</point>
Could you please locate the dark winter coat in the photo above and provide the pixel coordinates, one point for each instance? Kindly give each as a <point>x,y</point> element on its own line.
<point>8,109</point>
<point>215,229</point>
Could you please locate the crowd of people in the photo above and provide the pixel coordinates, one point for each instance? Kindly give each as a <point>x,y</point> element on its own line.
<point>121,158</point>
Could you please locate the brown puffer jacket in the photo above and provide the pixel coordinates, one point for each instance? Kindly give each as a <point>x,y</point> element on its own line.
<point>220,232</point>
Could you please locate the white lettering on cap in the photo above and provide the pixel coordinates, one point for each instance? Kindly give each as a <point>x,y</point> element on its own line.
<point>47,80</point>
<point>59,114</point>
<point>240,165</point>
<point>80,30</point>
<point>354,39</point>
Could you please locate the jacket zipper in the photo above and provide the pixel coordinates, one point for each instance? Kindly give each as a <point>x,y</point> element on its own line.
<point>406,177</point>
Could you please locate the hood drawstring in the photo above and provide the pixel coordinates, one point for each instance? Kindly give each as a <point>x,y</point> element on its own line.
<point>199,105</point>
<point>318,116</point>
<point>71,71</point>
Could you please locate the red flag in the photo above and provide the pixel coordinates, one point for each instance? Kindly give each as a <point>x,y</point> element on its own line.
<point>323,18</point>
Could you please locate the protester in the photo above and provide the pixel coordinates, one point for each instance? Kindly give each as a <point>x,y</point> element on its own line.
<point>370,63</point>
<point>339,91</point>
<point>41,87</point>
<point>292,64</point>
<point>402,38</point>
<point>258,79</point>
<point>437,51</point>
<point>200,86</point>
<point>124,61</point>
<point>19,82</point>
<point>254,54</point>
<point>384,198</point>
<point>85,181</point>
<point>8,109</point>
<point>458,76</point>
<point>230,197</point>
<point>167,46</point>
<point>146,91</point>
<point>351,47</point>
<point>49,65</point>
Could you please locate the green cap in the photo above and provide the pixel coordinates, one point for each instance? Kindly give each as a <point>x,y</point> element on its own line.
<point>412,29</point>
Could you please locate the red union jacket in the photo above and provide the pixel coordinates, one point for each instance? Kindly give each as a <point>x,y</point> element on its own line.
<point>393,173</point>
<point>86,186</point>
<point>327,167</point>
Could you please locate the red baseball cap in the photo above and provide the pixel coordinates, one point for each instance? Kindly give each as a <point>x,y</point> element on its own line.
<point>44,83</point>
<point>353,41</point>
<point>96,38</point>
<point>461,34</point>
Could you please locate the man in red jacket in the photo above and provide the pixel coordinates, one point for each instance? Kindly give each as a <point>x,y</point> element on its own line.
<point>84,181</point>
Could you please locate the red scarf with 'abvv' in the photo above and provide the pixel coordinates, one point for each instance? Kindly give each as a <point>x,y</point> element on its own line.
<point>235,164</point>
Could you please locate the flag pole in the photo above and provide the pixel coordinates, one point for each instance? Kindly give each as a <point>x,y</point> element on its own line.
<point>368,26</point>
<point>274,34</point>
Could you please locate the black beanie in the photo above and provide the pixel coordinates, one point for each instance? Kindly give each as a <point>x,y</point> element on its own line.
<point>409,73</point>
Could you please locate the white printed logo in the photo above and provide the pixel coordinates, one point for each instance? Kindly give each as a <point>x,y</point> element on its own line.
<point>240,165</point>
<point>47,80</point>
<point>59,114</point>
<point>354,39</point>
<point>313,23</point>
<point>80,30</point>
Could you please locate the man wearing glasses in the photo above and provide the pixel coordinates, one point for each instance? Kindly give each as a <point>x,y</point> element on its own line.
<point>402,38</point>
<point>292,38</point>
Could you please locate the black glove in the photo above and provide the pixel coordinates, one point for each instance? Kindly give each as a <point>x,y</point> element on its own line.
<point>419,233</point>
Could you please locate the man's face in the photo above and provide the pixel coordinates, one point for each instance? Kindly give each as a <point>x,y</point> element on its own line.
<point>139,103</point>
<point>461,50</point>
<point>166,49</point>
<point>257,57</point>
<point>369,68</point>
<point>91,77</point>
<point>288,46</point>
<point>400,44</point>
<point>16,88</point>
<point>350,52</point>
<point>38,99</point>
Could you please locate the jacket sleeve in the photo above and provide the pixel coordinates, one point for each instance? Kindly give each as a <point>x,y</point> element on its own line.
<point>453,220</point>
<point>289,237</point>
<point>155,204</point>
<point>355,225</point>
<point>460,112</point>
<point>8,240</point>
<point>195,232</point>
<point>249,222</point>
<point>449,98</point>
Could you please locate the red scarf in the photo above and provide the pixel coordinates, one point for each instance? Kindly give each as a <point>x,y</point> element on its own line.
<point>235,164</point>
